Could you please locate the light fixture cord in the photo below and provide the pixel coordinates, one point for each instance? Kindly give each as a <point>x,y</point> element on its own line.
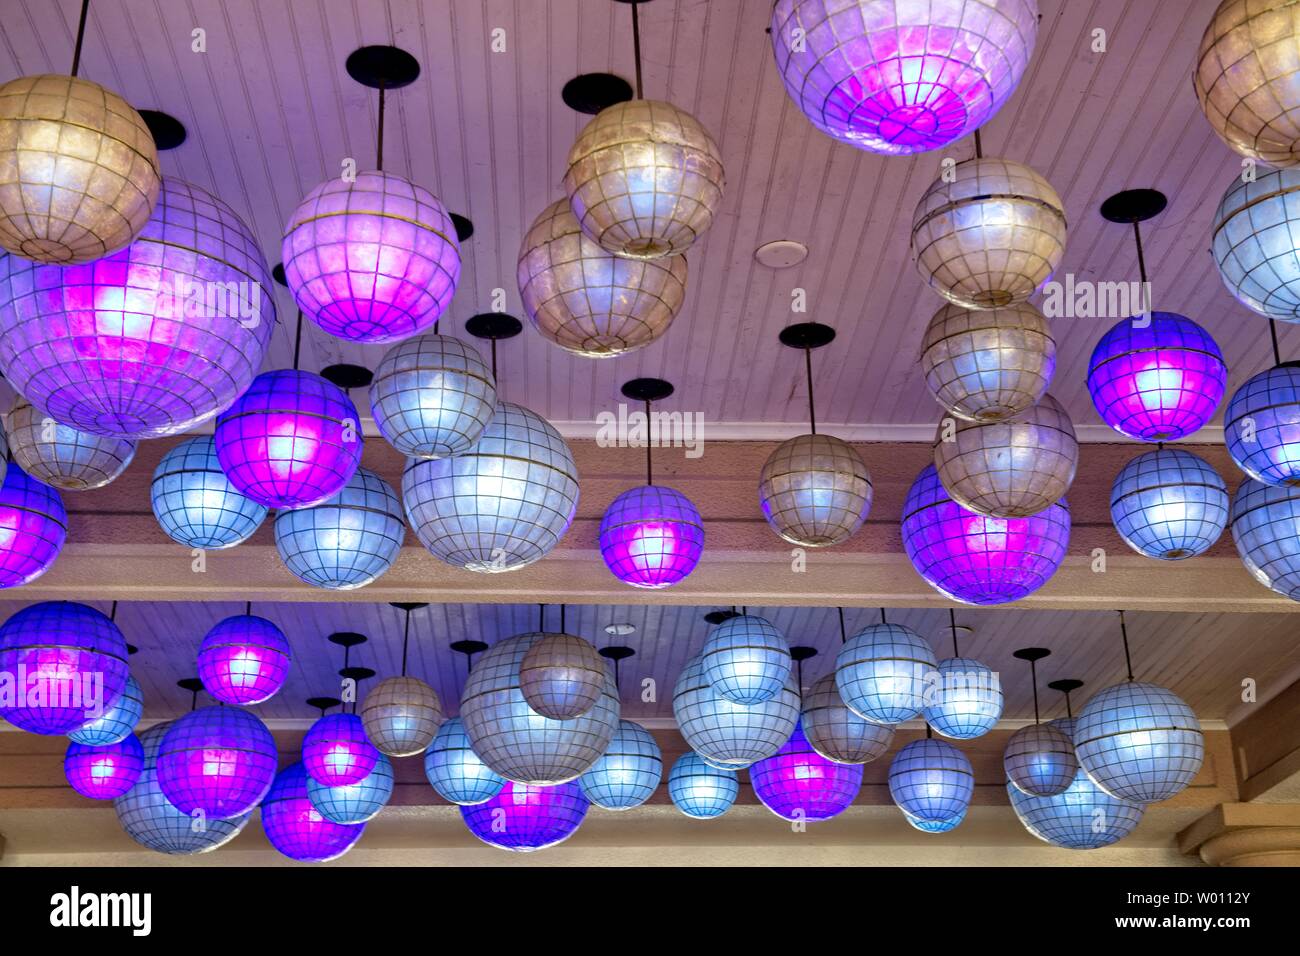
<point>844,635</point>
<point>1123,631</point>
<point>882,616</point>
<point>541,617</point>
<point>1069,706</point>
<point>952,623</point>
<point>379,140</point>
<point>1033,677</point>
<point>563,628</point>
<point>812,408</point>
<point>494,359</point>
<point>112,612</point>
<point>81,35</point>
<point>406,640</point>
<point>1272,332</point>
<point>297,342</point>
<point>248,608</point>
<point>979,146</point>
<point>636,46</point>
<point>649,474</point>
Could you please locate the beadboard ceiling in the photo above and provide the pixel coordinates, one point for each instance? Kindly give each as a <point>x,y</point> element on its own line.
<point>271,112</point>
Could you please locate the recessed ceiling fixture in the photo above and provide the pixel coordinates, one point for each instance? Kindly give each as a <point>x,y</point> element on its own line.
<point>464,227</point>
<point>781,253</point>
<point>168,132</point>
<point>620,629</point>
<point>592,92</point>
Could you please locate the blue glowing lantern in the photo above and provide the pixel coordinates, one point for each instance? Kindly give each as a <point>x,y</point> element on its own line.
<point>455,770</point>
<point>798,783</point>
<point>524,817</point>
<point>1169,504</point>
<point>1265,523</point>
<point>104,773</point>
<point>118,720</point>
<point>354,802</point>
<point>1254,240</point>
<point>1261,426</point>
<point>33,527</point>
<point>194,501</point>
<point>1040,761</point>
<point>931,780</point>
<point>746,659</point>
<point>218,760</point>
<point>934,826</point>
<point>884,672</point>
<point>296,828</point>
<point>731,734</point>
<point>836,732</point>
<point>699,790</point>
<point>629,771</point>
<point>966,699</point>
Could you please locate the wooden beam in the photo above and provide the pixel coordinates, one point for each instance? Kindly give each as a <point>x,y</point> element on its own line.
<point>1266,742</point>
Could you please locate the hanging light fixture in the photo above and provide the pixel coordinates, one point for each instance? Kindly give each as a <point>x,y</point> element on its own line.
<point>455,771</point>
<point>1010,469</point>
<point>194,501</point>
<point>118,721</point>
<point>885,671</point>
<point>730,734</point>
<point>296,828</point>
<point>335,750</point>
<point>976,559</point>
<point>700,790</point>
<point>644,178</point>
<point>402,714</point>
<point>966,699</point>
<point>1263,519</point>
<point>1253,244</point>
<point>373,257</point>
<point>1039,759</point>
<point>1169,504</point>
<point>834,730</point>
<point>628,772</point>
<point>33,527</point>
<point>138,344</point>
<point>216,760</point>
<point>561,676</point>
<point>354,802</point>
<point>105,772</point>
<point>1138,741</point>
<point>931,781</point>
<point>988,365</point>
<point>814,489</point>
<point>1261,425</point>
<point>80,169</point>
<point>747,659</point>
<point>524,817</point>
<point>507,501</point>
<point>244,659</point>
<point>901,78</point>
<point>64,457</point>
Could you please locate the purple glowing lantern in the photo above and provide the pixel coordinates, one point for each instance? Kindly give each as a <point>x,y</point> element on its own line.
<point>292,440</point>
<point>68,662</point>
<point>296,828</point>
<point>1159,380</point>
<point>524,817</point>
<point>651,536</point>
<point>336,751</point>
<point>33,527</point>
<point>218,760</point>
<point>797,783</point>
<point>243,660</point>
<point>976,559</point>
<point>104,773</point>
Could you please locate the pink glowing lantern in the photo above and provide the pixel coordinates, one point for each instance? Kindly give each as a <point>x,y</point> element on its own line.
<point>651,536</point>
<point>33,527</point>
<point>296,828</point>
<point>218,760</point>
<point>243,660</point>
<point>104,773</point>
<point>336,751</point>
<point>797,783</point>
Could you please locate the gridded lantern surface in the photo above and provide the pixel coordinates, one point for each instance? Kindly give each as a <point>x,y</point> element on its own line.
<point>815,490</point>
<point>1247,81</point>
<point>562,676</point>
<point>977,559</point>
<point>883,673</point>
<point>644,179</point>
<point>117,721</point>
<point>33,527</point>
<point>455,770</point>
<point>1169,504</point>
<point>931,780</point>
<point>296,828</point>
<point>836,732</point>
<point>401,715</point>
<point>64,457</point>
<point>525,817</point>
<point>1264,520</point>
<point>699,790</point>
<point>432,396</point>
<point>1261,426</point>
<point>1040,760</point>
<point>374,259</point>
<point>243,660</point>
<point>747,659</point>
<point>218,760</point>
<point>651,536</point>
<point>1254,242</point>
<point>1009,469</point>
<point>992,236</point>
<point>628,772</point>
<point>1156,380</point>
<point>726,733</point>
<point>966,699</point>
<point>337,752</point>
<point>78,170</point>
<point>501,505</point>
<point>354,802</point>
<point>152,340</point>
<point>798,783</point>
<point>988,365</point>
<point>935,826</point>
<point>194,501</point>
<point>106,772</point>
<point>895,77</point>
<point>589,301</point>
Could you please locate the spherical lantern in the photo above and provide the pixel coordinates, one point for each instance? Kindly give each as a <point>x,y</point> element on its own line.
<point>455,770</point>
<point>347,541</point>
<point>1156,382</point>
<point>33,527</point>
<point>976,559</point>
<point>628,772</point>
<point>336,751</point>
<point>151,341</point>
<point>79,170</point>
<point>589,301</point>
<point>1261,426</point>
<point>371,259</point>
<point>64,457</point>
<point>243,660</point>
<point>562,676</point>
<point>60,649</point>
<point>1169,504</point>
<point>150,820</point>
<point>815,490</point>
<point>885,672</point>
<point>117,721</point>
<point>1040,761</point>
<point>1253,244</point>
<point>1246,81</point>
<point>516,741</point>
<point>727,733</point>
<point>194,501</point>
<point>218,760</point>
<point>701,791</point>
<point>354,802</point>
<point>651,536</point>
<point>898,78</point>
<point>931,780</point>
<point>797,783</point>
<point>1010,469</point>
<point>988,365</point>
<point>524,817</point>
<point>836,732</point>
<point>966,700</point>
<point>296,828</point>
<point>107,772</point>
<point>934,826</point>
<point>432,396</point>
<point>988,234</point>
<point>746,659</point>
<point>401,715</point>
<point>1139,742</point>
<point>292,440</point>
<point>1264,520</point>
<point>644,179</point>
<point>503,504</point>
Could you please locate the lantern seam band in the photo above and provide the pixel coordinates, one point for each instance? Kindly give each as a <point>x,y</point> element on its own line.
<point>64,121</point>
<point>374,212</point>
<point>1126,733</point>
<point>298,412</point>
<point>1168,484</point>
<point>42,514</point>
<point>502,457</point>
<point>1260,408</point>
<point>968,200</point>
<point>1158,348</point>
<point>176,245</point>
<point>1252,204</point>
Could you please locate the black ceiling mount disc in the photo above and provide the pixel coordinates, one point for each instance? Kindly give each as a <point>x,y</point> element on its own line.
<point>356,673</point>
<point>347,377</point>
<point>409,605</point>
<point>323,703</point>
<point>1065,686</point>
<point>347,638</point>
<point>616,653</point>
<point>168,132</point>
<point>1031,653</point>
<point>807,335</point>
<point>132,649</point>
<point>647,389</point>
<point>801,652</point>
<point>592,92</point>
<point>382,67</point>
<point>468,647</point>
<point>493,325</point>
<point>277,273</point>
<point>191,684</point>
<point>717,617</point>
<point>1134,205</point>
<point>464,228</point>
